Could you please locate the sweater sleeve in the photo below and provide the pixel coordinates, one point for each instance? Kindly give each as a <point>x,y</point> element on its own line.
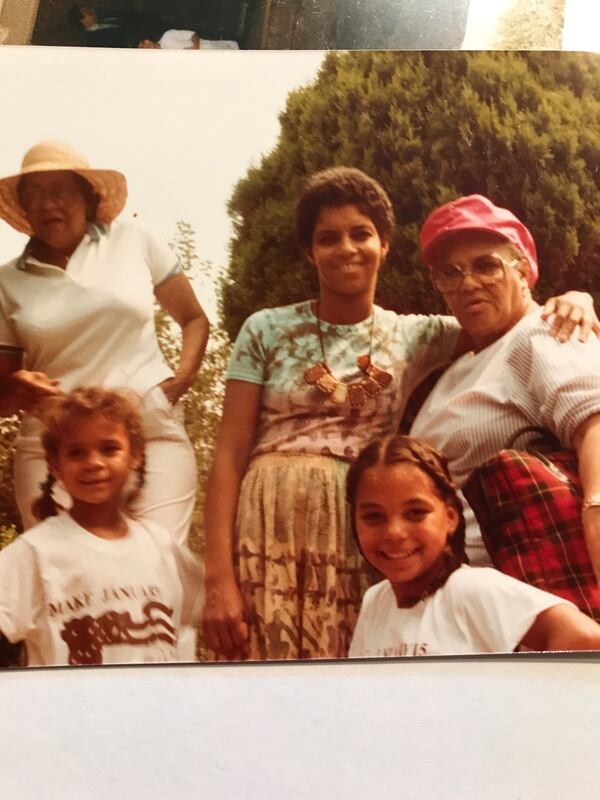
<point>555,384</point>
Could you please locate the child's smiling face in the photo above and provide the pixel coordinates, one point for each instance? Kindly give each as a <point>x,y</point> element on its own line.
<point>403,526</point>
<point>94,461</point>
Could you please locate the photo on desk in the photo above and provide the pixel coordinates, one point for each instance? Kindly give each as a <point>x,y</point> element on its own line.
<point>295,24</point>
<point>299,355</point>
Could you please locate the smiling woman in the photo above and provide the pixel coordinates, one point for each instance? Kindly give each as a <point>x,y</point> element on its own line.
<point>307,386</point>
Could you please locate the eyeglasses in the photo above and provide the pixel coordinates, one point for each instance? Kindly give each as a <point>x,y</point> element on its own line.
<point>31,198</point>
<point>485,269</point>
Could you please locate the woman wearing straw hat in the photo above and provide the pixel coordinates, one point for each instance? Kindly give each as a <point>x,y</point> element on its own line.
<point>77,308</point>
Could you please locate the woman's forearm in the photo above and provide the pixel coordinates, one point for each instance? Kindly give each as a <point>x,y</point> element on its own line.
<point>194,338</point>
<point>241,410</point>
<point>179,300</point>
<point>222,493</point>
<point>587,442</point>
<point>23,390</point>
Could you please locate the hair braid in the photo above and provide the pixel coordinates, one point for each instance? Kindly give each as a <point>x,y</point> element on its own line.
<point>135,493</point>
<point>45,505</point>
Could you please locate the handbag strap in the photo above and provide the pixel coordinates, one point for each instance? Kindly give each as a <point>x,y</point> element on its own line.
<point>545,438</point>
<point>545,441</point>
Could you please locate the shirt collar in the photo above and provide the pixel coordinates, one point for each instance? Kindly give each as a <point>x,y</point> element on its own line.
<point>95,230</point>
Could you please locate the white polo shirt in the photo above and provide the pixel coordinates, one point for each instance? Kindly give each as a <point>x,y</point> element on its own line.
<point>93,322</point>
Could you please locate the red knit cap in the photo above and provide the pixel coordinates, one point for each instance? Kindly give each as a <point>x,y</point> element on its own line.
<point>477,213</point>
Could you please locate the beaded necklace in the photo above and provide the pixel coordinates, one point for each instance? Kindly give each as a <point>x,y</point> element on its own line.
<point>341,392</point>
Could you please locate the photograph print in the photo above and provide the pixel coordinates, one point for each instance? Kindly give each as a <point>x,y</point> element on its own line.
<point>299,356</point>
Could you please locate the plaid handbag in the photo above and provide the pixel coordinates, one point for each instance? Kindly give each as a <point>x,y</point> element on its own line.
<point>528,505</point>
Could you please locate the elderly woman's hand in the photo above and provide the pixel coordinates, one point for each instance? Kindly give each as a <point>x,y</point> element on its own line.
<point>31,389</point>
<point>572,310</point>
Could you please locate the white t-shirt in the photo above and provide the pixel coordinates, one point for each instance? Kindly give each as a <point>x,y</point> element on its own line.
<point>93,322</point>
<point>78,599</point>
<point>478,610</point>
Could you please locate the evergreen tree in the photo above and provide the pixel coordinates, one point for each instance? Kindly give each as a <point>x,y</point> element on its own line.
<point>521,128</point>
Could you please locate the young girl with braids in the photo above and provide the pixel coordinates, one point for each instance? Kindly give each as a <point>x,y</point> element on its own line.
<point>93,585</point>
<point>409,524</point>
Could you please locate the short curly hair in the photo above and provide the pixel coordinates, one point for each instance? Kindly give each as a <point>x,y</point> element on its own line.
<point>87,403</point>
<point>339,186</point>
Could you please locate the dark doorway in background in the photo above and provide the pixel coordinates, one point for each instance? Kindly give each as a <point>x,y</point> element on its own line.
<point>212,19</point>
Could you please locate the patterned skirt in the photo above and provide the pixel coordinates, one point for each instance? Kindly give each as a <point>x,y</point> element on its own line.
<point>301,574</point>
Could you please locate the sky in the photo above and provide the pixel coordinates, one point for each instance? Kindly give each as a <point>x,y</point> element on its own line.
<point>182,126</point>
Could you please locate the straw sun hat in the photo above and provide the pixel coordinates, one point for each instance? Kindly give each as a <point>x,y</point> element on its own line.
<point>109,185</point>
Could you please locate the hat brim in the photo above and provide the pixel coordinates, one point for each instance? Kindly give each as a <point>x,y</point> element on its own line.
<point>428,254</point>
<point>109,185</point>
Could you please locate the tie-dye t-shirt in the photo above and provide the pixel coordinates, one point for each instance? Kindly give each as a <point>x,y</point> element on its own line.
<point>276,345</point>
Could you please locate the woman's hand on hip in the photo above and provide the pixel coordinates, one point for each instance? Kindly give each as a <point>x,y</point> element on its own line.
<point>224,627</point>
<point>572,310</point>
<point>174,388</point>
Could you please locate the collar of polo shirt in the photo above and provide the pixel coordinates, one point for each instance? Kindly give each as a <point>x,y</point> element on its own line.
<point>94,230</point>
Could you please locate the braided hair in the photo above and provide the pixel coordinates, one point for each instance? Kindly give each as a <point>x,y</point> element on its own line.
<point>399,449</point>
<point>67,412</point>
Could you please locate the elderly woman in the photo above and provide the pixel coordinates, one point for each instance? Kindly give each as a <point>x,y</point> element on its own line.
<point>484,262</point>
<point>77,309</point>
